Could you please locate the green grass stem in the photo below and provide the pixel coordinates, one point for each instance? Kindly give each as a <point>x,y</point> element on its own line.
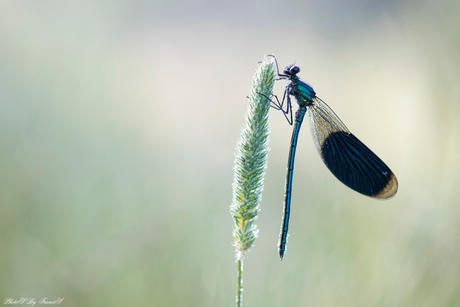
<point>250,164</point>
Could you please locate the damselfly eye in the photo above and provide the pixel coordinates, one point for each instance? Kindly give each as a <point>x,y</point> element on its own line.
<point>295,70</point>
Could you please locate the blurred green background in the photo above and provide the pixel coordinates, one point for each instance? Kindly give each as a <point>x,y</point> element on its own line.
<point>118,123</point>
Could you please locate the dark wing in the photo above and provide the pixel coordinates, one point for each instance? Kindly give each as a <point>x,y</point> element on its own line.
<point>352,162</point>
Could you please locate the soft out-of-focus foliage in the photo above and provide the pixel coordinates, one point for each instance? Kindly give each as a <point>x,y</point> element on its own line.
<point>118,123</point>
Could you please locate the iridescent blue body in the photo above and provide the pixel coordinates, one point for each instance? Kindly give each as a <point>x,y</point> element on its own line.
<point>304,94</point>
<point>345,156</point>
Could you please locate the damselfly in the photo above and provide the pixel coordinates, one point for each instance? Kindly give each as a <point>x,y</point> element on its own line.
<point>347,158</point>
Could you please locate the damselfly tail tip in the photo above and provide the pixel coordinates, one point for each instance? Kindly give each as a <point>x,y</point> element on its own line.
<point>281,253</point>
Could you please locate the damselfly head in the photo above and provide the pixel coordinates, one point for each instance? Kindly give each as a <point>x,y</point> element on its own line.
<point>292,70</point>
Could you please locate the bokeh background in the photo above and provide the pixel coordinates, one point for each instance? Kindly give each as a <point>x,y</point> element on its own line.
<point>118,123</point>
